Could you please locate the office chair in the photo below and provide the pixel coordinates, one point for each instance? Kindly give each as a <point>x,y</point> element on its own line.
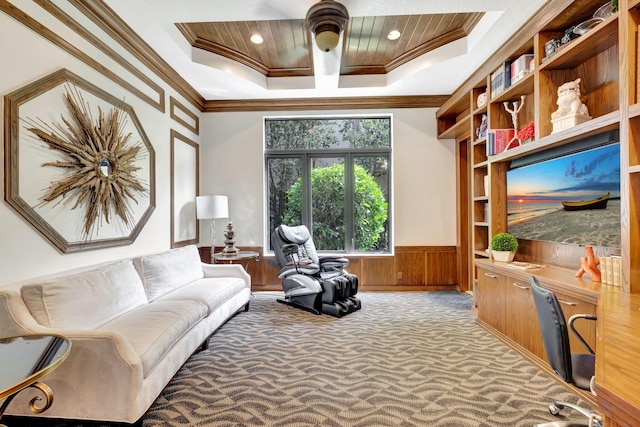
<point>574,368</point>
<point>313,283</point>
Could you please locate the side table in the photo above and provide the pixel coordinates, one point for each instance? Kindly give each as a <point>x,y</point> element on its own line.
<point>241,257</point>
<point>24,359</point>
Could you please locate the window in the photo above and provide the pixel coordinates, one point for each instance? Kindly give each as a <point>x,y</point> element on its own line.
<point>334,176</point>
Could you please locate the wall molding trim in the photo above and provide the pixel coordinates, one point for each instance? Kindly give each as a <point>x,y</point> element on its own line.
<point>74,25</point>
<point>104,17</point>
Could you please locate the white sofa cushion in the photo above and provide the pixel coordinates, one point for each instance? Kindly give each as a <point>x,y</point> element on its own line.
<point>211,292</point>
<point>154,328</point>
<point>165,272</point>
<point>85,300</point>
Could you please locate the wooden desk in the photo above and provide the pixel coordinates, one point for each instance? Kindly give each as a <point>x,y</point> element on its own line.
<point>618,357</point>
<point>24,360</point>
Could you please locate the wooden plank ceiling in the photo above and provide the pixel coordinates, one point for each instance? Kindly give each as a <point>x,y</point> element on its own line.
<point>286,50</point>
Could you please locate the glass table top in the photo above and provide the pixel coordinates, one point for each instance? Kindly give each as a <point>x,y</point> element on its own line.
<point>25,359</point>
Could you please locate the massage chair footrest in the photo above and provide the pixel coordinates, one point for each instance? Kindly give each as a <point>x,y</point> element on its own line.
<point>341,307</point>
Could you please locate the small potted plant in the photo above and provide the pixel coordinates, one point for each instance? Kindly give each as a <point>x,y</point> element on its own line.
<point>504,247</point>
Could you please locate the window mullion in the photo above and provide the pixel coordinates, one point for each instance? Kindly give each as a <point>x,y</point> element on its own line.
<point>348,204</point>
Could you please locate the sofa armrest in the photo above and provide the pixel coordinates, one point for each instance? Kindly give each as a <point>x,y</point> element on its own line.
<point>102,372</point>
<point>226,270</point>
<point>15,317</point>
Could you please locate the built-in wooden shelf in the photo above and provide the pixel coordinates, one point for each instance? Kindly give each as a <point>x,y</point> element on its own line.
<point>597,40</point>
<point>594,126</point>
<point>480,110</point>
<point>634,169</point>
<point>521,87</point>
<point>457,129</point>
<point>633,4</point>
<point>480,141</point>
<point>634,110</point>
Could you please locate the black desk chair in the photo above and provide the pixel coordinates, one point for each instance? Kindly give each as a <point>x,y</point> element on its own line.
<point>573,368</point>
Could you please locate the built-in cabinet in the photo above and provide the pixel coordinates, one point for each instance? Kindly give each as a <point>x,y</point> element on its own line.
<point>606,60</point>
<point>506,307</point>
<point>506,303</point>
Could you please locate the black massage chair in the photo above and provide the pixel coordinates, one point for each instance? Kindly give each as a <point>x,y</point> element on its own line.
<point>318,285</point>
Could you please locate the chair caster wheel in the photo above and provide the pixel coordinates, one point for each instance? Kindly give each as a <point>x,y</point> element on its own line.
<point>553,410</point>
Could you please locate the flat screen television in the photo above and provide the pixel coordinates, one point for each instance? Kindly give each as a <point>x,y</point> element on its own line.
<point>571,195</point>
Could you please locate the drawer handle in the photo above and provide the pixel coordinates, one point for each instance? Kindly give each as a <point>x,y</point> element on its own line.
<point>561,301</point>
<point>519,286</point>
<point>490,275</point>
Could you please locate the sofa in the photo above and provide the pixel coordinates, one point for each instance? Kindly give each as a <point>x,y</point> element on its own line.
<point>132,324</point>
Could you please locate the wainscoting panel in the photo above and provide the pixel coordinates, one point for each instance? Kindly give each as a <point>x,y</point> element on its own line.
<point>421,267</point>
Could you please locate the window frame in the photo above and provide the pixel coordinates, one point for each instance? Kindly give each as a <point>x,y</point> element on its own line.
<point>348,155</point>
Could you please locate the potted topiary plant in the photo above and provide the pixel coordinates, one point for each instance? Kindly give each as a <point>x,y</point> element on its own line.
<point>504,247</point>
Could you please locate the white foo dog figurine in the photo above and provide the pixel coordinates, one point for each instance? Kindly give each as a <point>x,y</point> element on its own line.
<point>571,110</point>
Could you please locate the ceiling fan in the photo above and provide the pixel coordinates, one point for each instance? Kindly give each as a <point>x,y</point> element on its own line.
<point>326,20</point>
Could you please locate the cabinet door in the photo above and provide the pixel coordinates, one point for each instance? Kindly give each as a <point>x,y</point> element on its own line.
<point>522,318</point>
<point>587,328</point>
<point>491,299</point>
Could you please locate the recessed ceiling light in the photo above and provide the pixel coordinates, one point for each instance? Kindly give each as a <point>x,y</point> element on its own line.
<point>257,39</point>
<point>394,35</point>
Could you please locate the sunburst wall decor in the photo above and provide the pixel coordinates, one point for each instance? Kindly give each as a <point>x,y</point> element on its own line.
<point>78,165</point>
<point>100,162</point>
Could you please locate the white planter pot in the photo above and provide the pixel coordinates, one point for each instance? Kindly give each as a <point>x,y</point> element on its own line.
<point>503,256</point>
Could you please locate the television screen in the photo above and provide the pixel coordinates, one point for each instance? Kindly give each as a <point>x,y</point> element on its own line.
<point>574,198</point>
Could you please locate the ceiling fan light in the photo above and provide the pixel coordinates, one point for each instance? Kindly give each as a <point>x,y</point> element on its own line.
<point>327,40</point>
<point>326,20</point>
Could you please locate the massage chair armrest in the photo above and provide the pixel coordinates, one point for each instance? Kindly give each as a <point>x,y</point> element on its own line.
<point>577,334</point>
<point>333,264</point>
<point>304,269</point>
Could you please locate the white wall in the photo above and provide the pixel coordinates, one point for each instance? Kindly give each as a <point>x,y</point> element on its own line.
<point>231,160</point>
<point>424,188</point>
<point>26,57</point>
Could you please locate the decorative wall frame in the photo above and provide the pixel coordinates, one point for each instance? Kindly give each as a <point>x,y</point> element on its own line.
<point>78,164</point>
<point>185,172</point>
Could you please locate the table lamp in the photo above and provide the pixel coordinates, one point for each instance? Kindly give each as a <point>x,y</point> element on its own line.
<point>212,207</point>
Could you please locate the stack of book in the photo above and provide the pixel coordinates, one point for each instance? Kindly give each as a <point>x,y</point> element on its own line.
<point>497,140</point>
<point>521,67</point>
<point>610,269</point>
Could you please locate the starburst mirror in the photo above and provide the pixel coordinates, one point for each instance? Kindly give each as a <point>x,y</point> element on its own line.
<point>78,165</point>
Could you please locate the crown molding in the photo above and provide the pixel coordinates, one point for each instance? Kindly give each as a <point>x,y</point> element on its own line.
<point>303,104</point>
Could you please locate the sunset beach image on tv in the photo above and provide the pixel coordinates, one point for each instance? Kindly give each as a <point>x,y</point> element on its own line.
<point>571,199</point>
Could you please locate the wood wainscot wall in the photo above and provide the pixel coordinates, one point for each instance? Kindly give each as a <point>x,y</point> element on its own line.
<point>411,268</point>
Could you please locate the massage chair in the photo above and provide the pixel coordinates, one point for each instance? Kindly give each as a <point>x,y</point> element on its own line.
<point>313,283</point>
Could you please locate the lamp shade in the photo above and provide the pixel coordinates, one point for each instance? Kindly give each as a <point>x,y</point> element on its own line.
<point>212,207</point>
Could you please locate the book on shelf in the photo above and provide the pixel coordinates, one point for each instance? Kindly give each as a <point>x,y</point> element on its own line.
<point>603,269</point>
<point>616,264</point>
<point>521,67</point>
<point>498,139</point>
<point>609,268</point>
<point>501,79</point>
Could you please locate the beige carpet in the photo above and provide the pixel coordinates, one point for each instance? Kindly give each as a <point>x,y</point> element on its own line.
<point>405,359</point>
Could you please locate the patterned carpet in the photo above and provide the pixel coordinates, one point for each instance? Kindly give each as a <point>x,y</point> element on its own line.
<point>405,359</point>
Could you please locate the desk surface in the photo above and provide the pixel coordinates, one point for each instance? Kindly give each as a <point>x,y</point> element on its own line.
<point>618,355</point>
<point>27,358</point>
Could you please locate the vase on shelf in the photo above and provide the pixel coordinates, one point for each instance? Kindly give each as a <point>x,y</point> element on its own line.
<point>503,256</point>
